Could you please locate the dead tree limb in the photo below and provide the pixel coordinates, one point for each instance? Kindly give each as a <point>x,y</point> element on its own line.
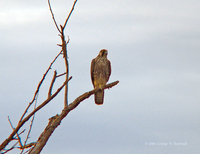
<point>18,137</point>
<point>21,123</point>
<point>55,121</point>
<point>60,75</point>
<point>67,19</point>
<point>52,82</point>
<point>38,87</point>
<point>13,147</point>
<point>29,131</point>
<point>64,49</point>
<point>64,46</point>
<point>54,20</point>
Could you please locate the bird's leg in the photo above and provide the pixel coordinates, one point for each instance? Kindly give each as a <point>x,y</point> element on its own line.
<point>100,86</point>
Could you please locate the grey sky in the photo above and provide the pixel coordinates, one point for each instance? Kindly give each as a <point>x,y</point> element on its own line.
<point>154,52</point>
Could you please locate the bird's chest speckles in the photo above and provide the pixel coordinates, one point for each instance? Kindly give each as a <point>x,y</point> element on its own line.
<point>100,67</point>
<point>100,62</point>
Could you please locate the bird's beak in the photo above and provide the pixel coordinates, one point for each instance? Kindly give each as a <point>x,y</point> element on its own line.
<point>106,52</point>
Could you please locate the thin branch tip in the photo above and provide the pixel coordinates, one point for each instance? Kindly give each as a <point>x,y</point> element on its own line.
<point>60,75</point>
<point>54,20</point>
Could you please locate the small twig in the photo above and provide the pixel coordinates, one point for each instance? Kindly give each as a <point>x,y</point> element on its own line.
<point>27,150</point>
<point>54,20</point>
<point>27,146</point>
<point>22,132</point>
<point>14,138</point>
<point>10,122</point>
<point>18,137</point>
<point>68,39</point>
<point>10,148</point>
<point>52,82</point>
<point>60,75</point>
<point>30,128</point>
<point>69,14</point>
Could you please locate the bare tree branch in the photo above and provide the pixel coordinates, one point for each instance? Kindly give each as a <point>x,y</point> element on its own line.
<point>20,124</point>
<point>47,100</point>
<point>52,82</point>
<point>10,148</point>
<point>56,120</point>
<point>18,137</point>
<point>60,75</point>
<point>53,16</point>
<point>29,131</point>
<point>78,100</point>
<point>38,87</point>
<point>64,50</point>
<point>69,14</point>
<point>64,46</point>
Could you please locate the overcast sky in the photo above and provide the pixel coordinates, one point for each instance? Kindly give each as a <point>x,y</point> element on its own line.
<point>154,49</point>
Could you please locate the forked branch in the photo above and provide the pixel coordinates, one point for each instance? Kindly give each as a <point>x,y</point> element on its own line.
<point>56,120</point>
<point>64,46</point>
<point>38,87</point>
<point>21,123</point>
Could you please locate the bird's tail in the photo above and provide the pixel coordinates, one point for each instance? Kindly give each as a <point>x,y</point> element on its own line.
<point>98,97</point>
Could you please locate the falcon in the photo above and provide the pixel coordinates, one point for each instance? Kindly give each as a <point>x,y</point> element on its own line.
<point>100,73</point>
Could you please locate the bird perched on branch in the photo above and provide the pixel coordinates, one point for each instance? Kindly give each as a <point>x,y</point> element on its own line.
<point>100,73</point>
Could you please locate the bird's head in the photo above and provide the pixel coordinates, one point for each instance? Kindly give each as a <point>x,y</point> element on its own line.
<point>103,53</point>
